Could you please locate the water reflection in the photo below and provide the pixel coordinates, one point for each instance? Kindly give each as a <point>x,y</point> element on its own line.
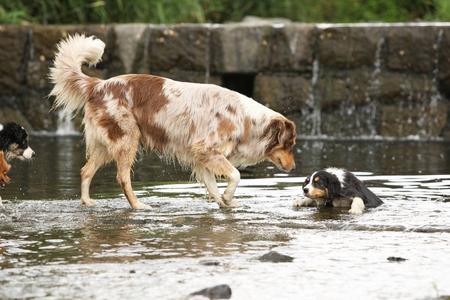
<point>54,174</point>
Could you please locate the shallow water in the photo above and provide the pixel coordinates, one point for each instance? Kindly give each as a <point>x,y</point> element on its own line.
<point>51,247</point>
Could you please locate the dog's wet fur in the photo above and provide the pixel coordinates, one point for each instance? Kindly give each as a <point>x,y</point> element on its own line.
<point>14,142</point>
<point>337,188</point>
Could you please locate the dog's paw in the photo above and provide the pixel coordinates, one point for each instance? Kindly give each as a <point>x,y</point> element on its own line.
<point>299,202</point>
<point>209,198</point>
<point>233,203</point>
<point>87,202</point>
<point>141,206</point>
<point>355,211</point>
<point>357,207</point>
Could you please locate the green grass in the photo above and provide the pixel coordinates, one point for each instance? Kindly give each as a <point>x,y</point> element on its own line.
<point>197,11</point>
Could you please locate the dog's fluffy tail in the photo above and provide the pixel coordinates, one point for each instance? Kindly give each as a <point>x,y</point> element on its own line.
<point>70,82</point>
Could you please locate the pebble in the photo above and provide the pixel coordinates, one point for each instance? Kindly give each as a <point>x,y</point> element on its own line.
<point>222,291</point>
<point>275,257</point>
<point>396,259</point>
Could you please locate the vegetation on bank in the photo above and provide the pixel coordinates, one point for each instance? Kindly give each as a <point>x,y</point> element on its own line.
<point>219,11</point>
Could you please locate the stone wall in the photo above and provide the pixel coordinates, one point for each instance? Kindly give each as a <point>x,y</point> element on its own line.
<point>335,80</point>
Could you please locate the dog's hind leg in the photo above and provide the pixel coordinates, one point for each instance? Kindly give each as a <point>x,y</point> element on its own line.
<point>96,159</point>
<point>124,160</point>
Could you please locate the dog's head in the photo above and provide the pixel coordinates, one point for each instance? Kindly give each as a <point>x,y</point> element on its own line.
<point>281,135</point>
<point>14,142</point>
<point>4,168</point>
<point>322,185</point>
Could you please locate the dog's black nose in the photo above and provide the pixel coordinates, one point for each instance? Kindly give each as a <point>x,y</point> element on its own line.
<point>305,191</point>
<point>33,154</point>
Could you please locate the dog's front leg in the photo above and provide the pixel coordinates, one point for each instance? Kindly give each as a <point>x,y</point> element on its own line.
<point>299,202</point>
<point>233,180</point>
<point>211,185</point>
<point>218,165</point>
<point>357,207</point>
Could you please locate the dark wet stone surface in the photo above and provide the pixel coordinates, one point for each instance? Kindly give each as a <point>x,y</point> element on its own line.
<point>396,259</point>
<point>275,257</point>
<point>222,291</point>
<point>210,262</point>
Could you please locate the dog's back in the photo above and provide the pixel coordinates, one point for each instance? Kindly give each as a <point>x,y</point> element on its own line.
<point>355,188</point>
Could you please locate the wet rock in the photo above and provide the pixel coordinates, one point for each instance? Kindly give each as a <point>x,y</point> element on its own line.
<point>353,87</point>
<point>238,48</point>
<point>222,291</point>
<point>183,47</point>
<point>129,40</point>
<point>396,259</point>
<point>412,48</point>
<point>13,52</point>
<point>444,62</point>
<point>282,92</point>
<point>348,120</point>
<point>210,262</point>
<point>275,257</point>
<point>8,114</point>
<point>400,86</point>
<point>406,119</point>
<point>291,47</point>
<point>348,47</point>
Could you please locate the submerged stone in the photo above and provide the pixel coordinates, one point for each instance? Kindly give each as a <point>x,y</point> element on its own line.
<point>396,259</point>
<point>210,262</point>
<point>275,257</point>
<point>222,291</point>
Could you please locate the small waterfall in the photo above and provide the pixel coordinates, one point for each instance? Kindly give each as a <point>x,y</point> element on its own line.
<point>65,125</point>
<point>374,88</point>
<point>207,52</point>
<point>436,96</point>
<point>316,115</point>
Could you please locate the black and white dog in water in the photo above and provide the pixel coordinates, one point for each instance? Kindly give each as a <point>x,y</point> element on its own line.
<point>337,188</point>
<point>14,142</point>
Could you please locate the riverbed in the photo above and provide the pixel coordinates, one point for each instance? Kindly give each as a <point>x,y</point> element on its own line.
<point>51,247</point>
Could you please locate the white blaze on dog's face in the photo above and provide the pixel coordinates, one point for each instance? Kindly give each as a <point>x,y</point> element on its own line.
<point>28,153</point>
<point>279,150</point>
<point>322,185</point>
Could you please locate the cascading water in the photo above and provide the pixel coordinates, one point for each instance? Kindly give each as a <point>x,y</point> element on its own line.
<point>373,89</point>
<point>65,125</point>
<point>311,119</point>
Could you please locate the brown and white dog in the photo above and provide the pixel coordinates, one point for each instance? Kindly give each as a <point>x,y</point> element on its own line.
<point>210,129</point>
<point>4,169</point>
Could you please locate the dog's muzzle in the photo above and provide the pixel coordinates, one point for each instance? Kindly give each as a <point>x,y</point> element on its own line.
<point>28,153</point>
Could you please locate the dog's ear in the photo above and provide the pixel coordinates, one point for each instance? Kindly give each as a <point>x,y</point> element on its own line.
<point>279,132</point>
<point>288,135</point>
<point>334,187</point>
